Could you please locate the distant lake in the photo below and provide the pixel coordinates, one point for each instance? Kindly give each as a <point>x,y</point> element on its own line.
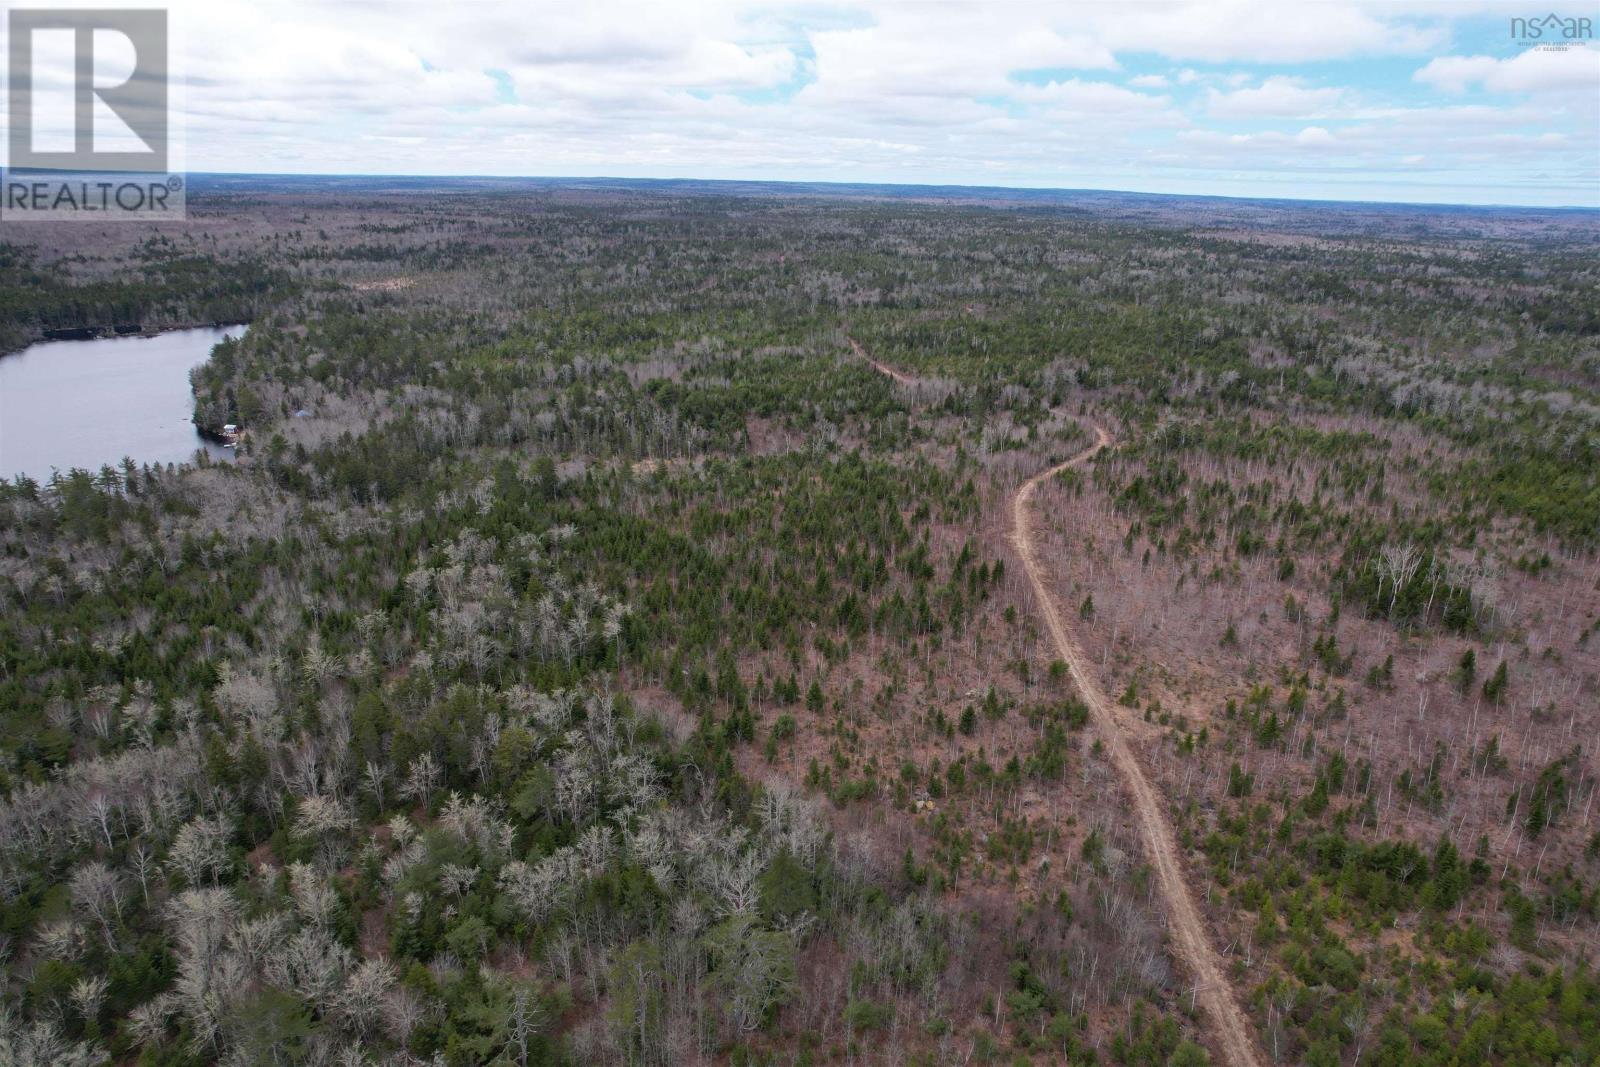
<point>87,404</point>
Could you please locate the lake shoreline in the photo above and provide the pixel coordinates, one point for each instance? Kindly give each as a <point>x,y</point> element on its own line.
<point>68,404</point>
<point>112,331</point>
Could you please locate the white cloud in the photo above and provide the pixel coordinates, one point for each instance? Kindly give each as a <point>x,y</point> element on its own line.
<point>939,51</point>
<point>1279,96</point>
<point>1537,70</point>
<point>1220,31</point>
<point>872,90</point>
<point>1092,98</point>
<point>1309,137</point>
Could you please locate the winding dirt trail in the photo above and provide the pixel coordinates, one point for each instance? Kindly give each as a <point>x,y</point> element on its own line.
<point>1232,1035</point>
<point>1230,1029</point>
<point>882,368</point>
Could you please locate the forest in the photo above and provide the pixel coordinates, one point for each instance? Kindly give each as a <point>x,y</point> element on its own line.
<point>612,643</point>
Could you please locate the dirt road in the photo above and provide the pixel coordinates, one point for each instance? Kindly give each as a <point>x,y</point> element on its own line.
<point>882,368</point>
<point>1231,1031</point>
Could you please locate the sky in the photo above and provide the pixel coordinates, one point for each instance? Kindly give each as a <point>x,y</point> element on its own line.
<point>1319,99</point>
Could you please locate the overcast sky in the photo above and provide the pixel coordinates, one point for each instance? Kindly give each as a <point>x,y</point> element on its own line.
<point>1318,98</point>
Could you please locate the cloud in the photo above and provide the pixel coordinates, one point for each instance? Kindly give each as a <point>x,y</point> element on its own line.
<point>1310,137</point>
<point>1279,96</point>
<point>1220,31</point>
<point>940,50</point>
<point>1537,70</point>
<point>1171,94</point>
<point>1092,98</point>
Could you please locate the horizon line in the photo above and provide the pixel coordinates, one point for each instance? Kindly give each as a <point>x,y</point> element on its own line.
<point>886,185</point>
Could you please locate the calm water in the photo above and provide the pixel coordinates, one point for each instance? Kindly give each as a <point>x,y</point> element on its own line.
<point>86,404</point>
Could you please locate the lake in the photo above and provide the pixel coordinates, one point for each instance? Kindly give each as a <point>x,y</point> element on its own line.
<point>66,404</point>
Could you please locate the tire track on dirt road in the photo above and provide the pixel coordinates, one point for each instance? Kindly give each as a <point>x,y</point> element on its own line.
<point>1230,1029</point>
